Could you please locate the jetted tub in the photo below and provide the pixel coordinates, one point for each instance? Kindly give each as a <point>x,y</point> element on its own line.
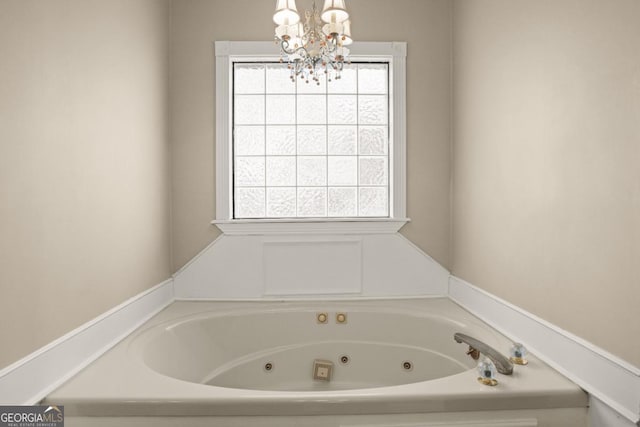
<point>228,362</point>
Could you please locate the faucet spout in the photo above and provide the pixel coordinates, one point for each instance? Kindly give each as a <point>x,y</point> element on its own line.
<point>503,365</point>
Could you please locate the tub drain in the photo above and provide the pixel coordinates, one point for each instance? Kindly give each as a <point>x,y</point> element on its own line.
<point>407,366</point>
<point>344,359</point>
<point>268,366</point>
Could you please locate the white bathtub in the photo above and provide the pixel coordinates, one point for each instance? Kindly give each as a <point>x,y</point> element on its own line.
<point>232,363</point>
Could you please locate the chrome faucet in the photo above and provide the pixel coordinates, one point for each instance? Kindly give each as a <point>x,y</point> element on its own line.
<point>503,365</point>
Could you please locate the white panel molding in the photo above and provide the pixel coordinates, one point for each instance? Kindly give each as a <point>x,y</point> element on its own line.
<point>312,266</point>
<point>232,268</point>
<point>613,382</point>
<point>30,379</point>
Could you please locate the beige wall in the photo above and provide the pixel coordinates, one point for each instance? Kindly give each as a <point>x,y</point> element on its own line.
<point>546,210</point>
<point>84,180</point>
<point>546,148</point>
<point>196,24</point>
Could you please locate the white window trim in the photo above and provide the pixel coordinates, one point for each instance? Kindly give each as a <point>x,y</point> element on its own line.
<point>228,52</point>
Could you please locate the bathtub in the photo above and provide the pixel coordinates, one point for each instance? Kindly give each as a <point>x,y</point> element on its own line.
<point>304,363</point>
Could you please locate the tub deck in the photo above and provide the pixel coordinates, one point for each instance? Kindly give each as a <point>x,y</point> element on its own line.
<point>120,384</point>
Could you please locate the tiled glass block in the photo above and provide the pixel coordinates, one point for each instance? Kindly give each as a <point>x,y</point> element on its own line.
<point>343,170</point>
<point>281,109</point>
<point>343,140</point>
<point>342,110</point>
<point>312,140</point>
<point>281,202</point>
<point>348,81</point>
<point>373,201</point>
<point>281,140</point>
<point>372,78</point>
<point>249,203</point>
<point>343,201</point>
<point>373,171</point>
<point>248,140</point>
<point>372,110</point>
<point>312,86</point>
<point>249,171</point>
<point>312,202</point>
<point>312,170</point>
<point>281,171</point>
<point>373,140</point>
<point>324,149</point>
<point>248,78</point>
<point>249,110</point>
<point>312,109</point>
<point>278,80</point>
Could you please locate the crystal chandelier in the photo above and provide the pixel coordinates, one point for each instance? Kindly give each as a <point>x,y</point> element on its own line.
<point>316,46</point>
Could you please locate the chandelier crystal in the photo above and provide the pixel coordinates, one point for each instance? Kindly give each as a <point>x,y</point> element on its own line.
<point>316,46</point>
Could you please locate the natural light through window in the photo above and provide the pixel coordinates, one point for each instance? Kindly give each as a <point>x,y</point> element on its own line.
<point>307,150</point>
<point>303,158</point>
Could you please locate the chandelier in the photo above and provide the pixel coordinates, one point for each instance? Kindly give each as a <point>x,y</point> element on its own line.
<point>317,46</point>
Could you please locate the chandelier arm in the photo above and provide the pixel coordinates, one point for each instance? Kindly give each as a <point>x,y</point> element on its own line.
<point>300,50</point>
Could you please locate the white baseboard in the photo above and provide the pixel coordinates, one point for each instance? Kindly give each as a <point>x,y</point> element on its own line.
<point>30,379</point>
<point>613,382</point>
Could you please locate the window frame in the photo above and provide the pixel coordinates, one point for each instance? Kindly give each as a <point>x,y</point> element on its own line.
<point>228,52</point>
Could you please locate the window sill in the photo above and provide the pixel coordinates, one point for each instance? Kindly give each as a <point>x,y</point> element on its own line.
<point>310,226</point>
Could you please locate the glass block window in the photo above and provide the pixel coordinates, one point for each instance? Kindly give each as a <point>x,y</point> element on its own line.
<point>302,150</point>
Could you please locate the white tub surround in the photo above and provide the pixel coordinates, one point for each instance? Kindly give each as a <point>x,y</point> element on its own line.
<point>613,384</point>
<point>162,369</point>
<point>284,266</point>
<point>30,379</point>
